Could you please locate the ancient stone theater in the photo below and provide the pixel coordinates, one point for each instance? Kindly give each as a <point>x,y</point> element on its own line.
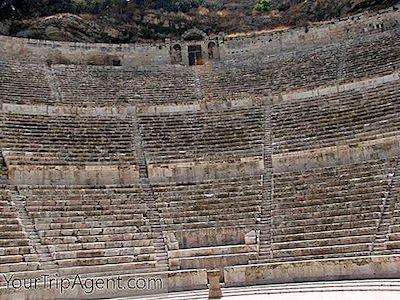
<point>201,160</point>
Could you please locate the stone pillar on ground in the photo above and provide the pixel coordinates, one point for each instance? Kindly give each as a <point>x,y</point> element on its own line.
<point>214,287</point>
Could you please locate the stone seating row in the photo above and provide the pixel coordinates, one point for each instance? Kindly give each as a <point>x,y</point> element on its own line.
<point>202,135</point>
<point>146,84</point>
<point>90,229</point>
<point>211,223</point>
<point>329,212</point>
<point>346,117</point>
<point>23,82</point>
<point>209,202</point>
<point>67,139</point>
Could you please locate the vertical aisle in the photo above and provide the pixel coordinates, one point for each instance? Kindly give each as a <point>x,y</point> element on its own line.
<point>153,213</point>
<point>266,216</point>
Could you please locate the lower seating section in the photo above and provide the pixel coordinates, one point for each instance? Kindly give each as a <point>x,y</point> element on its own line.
<point>347,117</point>
<point>16,252</point>
<point>145,84</point>
<point>393,243</point>
<point>23,82</point>
<point>202,135</point>
<point>93,229</point>
<point>61,140</point>
<point>210,224</point>
<point>329,212</point>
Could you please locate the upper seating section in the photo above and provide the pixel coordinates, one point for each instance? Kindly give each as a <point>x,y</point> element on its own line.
<point>25,83</point>
<point>308,68</point>
<point>369,56</point>
<point>202,135</point>
<point>343,118</point>
<point>93,229</point>
<point>329,212</point>
<point>67,139</point>
<point>271,74</point>
<point>374,56</point>
<point>22,82</point>
<point>147,84</point>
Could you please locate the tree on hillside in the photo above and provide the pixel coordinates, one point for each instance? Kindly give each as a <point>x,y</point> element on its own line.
<point>263,5</point>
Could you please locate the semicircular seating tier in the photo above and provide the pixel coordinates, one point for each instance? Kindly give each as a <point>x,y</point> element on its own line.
<point>108,170</point>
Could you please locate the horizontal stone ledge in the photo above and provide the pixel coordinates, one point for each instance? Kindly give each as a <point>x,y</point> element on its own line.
<point>338,88</point>
<point>73,175</point>
<point>156,283</point>
<point>381,148</point>
<point>168,108</point>
<point>194,253</point>
<point>203,170</point>
<point>113,110</point>
<point>201,106</point>
<point>368,267</point>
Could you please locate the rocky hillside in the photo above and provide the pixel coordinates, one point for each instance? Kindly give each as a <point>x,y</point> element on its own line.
<point>118,21</point>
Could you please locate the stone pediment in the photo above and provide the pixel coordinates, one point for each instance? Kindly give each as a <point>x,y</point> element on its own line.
<point>194,34</point>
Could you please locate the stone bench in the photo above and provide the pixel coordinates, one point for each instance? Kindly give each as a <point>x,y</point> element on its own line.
<point>110,268</point>
<point>331,249</point>
<point>143,241</point>
<point>215,261</point>
<point>322,242</point>
<point>103,252</point>
<point>18,267</point>
<point>98,261</point>
<point>310,233</point>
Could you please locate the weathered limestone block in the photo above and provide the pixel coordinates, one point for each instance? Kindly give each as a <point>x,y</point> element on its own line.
<point>76,175</point>
<point>171,241</point>
<point>205,170</point>
<point>174,264</point>
<point>252,240</point>
<point>214,286</point>
<point>315,270</point>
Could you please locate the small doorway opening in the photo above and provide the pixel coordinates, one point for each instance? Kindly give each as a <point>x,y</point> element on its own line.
<point>211,50</point>
<point>116,62</point>
<point>176,56</point>
<point>195,55</point>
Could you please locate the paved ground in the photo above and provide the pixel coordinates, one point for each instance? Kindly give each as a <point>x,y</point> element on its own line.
<point>336,290</point>
<point>386,295</point>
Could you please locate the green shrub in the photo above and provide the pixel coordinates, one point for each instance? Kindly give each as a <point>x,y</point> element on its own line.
<point>263,5</point>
